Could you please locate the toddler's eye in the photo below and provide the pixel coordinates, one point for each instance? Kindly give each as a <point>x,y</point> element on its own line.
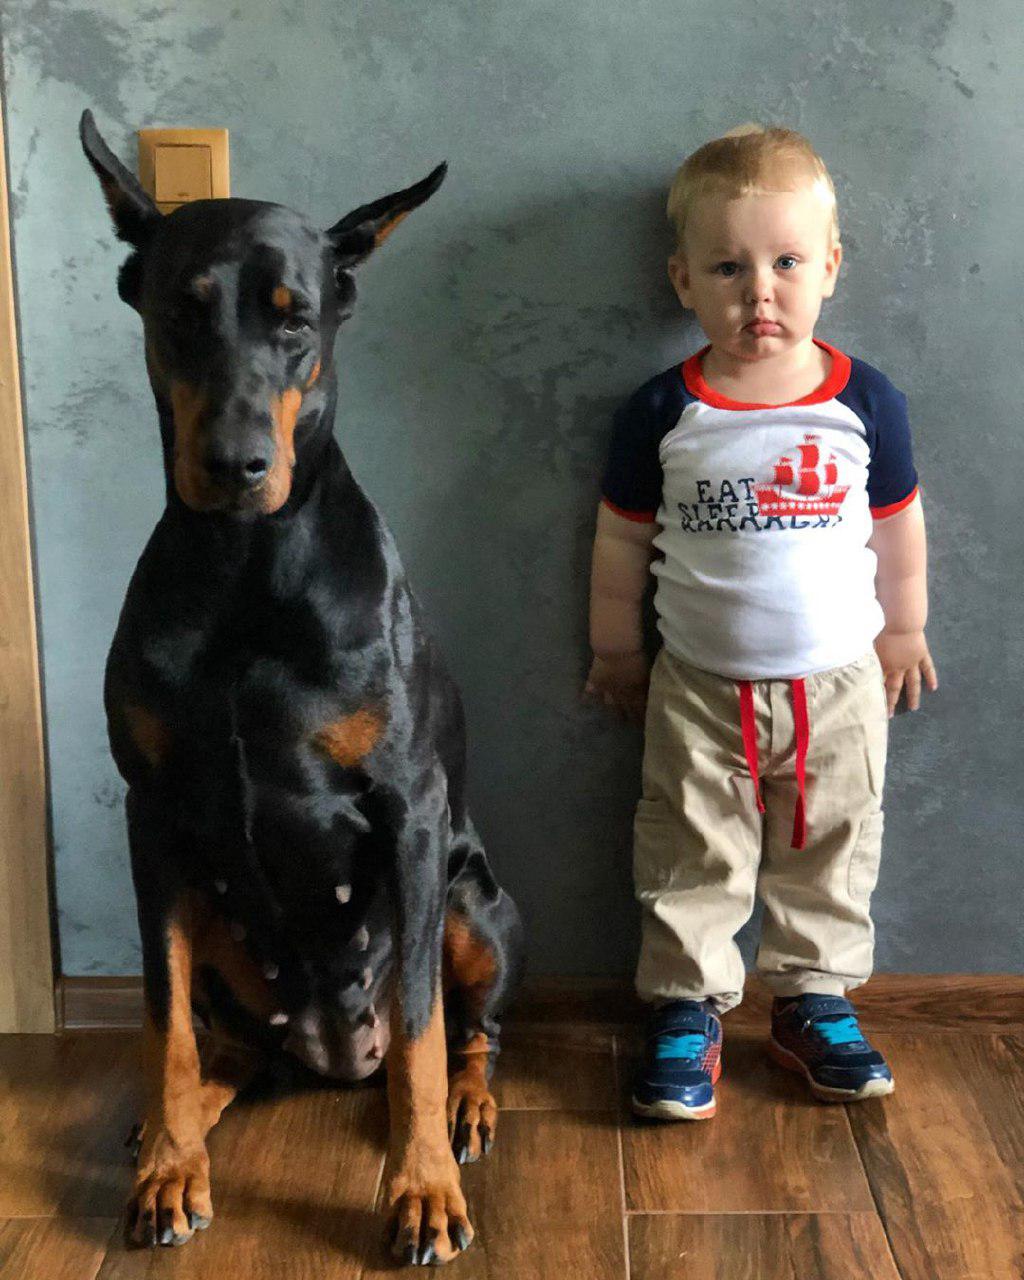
<point>787,257</point>
<point>727,269</point>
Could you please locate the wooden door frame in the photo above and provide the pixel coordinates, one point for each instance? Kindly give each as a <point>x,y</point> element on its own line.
<point>27,920</point>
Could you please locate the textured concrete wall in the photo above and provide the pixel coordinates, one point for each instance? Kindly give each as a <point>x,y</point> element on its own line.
<point>495,332</point>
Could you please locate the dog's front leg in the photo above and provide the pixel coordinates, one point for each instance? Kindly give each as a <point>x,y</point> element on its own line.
<point>428,1210</point>
<point>172,1185</point>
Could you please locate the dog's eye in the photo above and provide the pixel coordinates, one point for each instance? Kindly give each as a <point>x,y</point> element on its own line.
<point>295,324</point>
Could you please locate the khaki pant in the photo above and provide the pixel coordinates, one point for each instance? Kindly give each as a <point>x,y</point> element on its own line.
<point>702,849</point>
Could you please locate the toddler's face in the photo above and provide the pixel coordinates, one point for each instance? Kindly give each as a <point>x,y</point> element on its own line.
<point>762,257</point>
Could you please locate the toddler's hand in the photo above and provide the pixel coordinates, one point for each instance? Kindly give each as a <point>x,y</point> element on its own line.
<point>620,682</point>
<point>905,659</point>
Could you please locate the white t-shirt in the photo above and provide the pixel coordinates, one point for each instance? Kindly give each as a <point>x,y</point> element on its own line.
<point>765,514</point>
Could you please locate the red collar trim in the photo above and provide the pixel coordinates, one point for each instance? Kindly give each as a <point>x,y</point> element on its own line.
<point>838,377</point>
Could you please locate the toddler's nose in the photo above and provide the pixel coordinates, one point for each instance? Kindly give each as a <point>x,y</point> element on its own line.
<point>760,289</point>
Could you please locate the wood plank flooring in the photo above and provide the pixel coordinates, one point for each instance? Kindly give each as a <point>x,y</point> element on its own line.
<point>925,1185</point>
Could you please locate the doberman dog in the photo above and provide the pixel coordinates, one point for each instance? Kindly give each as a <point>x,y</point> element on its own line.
<point>307,876</point>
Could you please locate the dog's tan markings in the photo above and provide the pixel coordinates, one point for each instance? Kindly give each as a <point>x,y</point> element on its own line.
<point>281,297</point>
<point>173,1177</point>
<point>384,231</point>
<point>469,964</point>
<point>202,286</point>
<point>314,375</point>
<point>216,947</point>
<point>148,732</point>
<point>352,738</point>
<point>284,410</point>
<point>227,1066</point>
<point>426,1200</point>
<point>189,404</point>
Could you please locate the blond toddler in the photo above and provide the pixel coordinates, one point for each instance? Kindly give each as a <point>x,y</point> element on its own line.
<point>770,476</point>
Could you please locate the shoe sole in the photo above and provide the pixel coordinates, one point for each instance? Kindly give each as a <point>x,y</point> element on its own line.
<point>669,1110</point>
<point>824,1092</point>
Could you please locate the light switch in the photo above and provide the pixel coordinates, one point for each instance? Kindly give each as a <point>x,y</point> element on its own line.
<point>179,165</point>
<point>183,173</point>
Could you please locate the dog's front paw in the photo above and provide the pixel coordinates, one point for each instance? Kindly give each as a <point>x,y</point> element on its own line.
<point>428,1222</point>
<point>172,1193</point>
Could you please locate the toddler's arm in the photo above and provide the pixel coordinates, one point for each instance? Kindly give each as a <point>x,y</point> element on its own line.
<point>618,577</point>
<point>902,589</point>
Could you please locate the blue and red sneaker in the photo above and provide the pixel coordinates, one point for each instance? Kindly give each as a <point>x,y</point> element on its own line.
<point>682,1062</point>
<point>818,1035</point>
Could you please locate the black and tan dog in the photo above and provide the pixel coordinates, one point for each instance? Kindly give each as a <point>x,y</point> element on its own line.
<point>307,876</point>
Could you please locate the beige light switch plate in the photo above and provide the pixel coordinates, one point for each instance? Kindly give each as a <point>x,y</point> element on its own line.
<point>179,165</point>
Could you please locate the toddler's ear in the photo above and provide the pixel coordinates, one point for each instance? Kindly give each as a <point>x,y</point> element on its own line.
<point>833,260</point>
<point>679,274</point>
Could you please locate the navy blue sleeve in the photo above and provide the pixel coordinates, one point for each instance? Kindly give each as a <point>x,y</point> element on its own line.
<point>632,480</point>
<point>892,477</point>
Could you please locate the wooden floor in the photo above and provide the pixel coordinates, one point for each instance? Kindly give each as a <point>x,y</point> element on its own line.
<point>925,1185</point>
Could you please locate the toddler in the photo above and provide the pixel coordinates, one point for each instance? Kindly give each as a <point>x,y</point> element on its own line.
<point>773,475</point>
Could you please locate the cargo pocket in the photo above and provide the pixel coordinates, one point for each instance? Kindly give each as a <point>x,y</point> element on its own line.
<point>655,846</point>
<point>865,858</point>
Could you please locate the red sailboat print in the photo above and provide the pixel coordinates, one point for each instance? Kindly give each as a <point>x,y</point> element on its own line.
<point>806,487</point>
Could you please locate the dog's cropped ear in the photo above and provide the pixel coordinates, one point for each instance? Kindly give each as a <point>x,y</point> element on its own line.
<point>360,232</point>
<point>134,213</point>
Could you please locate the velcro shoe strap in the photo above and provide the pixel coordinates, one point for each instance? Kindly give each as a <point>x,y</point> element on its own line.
<point>815,1006</point>
<point>669,1021</point>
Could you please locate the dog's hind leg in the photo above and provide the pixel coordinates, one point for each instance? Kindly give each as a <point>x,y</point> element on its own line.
<point>172,1184</point>
<point>482,964</point>
<point>225,1070</point>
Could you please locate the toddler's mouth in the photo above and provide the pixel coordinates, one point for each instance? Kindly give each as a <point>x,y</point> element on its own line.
<point>762,328</point>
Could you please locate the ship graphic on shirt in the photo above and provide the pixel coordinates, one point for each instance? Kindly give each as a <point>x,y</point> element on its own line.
<point>804,486</point>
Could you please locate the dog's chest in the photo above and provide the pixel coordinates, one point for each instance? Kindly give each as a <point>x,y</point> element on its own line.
<point>283,676</point>
<point>261,730</point>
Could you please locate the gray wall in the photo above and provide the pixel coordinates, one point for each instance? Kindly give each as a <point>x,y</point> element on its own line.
<point>496,331</point>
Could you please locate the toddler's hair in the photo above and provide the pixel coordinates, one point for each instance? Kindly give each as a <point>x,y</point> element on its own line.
<point>750,160</point>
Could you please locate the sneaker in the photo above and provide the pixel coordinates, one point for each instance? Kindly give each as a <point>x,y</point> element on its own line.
<point>818,1035</point>
<point>681,1064</point>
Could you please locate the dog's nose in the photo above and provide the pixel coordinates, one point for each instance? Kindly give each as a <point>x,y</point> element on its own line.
<point>239,469</point>
<point>255,472</point>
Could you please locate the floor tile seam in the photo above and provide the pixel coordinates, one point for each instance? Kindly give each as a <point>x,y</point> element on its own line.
<point>375,1200</point>
<point>623,1207</point>
<point>58,1215</point>
<point>755,1213</point>
<point>115,1241</point>
<point>965,1029</point>
<point>874,1197</point>
<point>114,1248</point>
<point>112,1236</point>
<point>595,1110</point>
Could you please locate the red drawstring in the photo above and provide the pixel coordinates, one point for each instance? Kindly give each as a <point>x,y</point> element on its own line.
<point>803,737</point>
